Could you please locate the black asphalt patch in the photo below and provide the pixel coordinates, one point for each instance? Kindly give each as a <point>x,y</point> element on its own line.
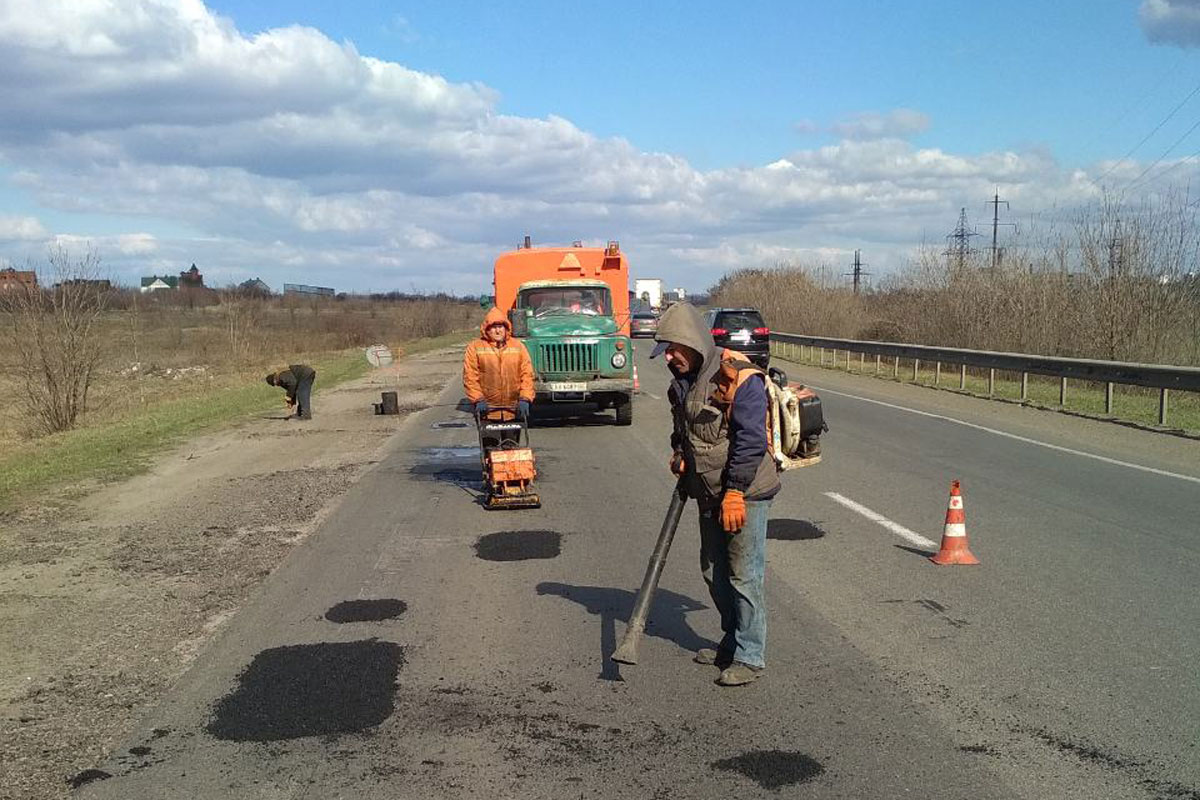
<point>440,425</point>
<point>310,690</point>
<point>519,545</point>
<point>773,769</point>
<point>793,530</point>
<point>87,776</point>
<point>366,610</point>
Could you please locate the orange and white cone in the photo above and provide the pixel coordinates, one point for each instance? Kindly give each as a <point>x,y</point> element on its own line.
<point>637,386</point>
<point>954,549</point>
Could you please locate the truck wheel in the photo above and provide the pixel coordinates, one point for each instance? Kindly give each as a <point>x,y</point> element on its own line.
<point>624,411</point>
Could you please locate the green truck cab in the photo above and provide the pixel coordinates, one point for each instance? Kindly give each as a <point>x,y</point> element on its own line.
<point>575,326</point>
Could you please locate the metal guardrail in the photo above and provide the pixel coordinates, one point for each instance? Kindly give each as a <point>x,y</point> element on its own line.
<point>1156,376</point>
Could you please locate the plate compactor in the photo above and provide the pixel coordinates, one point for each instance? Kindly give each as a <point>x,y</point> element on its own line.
<point>508,466</point>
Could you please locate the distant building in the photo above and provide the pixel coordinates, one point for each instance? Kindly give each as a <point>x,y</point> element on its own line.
<point>156,283</point>
<point>102,284</point>
<point>254,286</point>
<point>309,291</point>
<point>191,279</point>
<point>13,279</point>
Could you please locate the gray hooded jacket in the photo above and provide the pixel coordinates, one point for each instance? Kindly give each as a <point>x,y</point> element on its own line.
<point>701,428</point>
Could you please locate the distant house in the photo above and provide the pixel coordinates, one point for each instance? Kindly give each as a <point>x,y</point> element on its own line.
<point>311,291</point>
<point>191,279</point>
<point>101,284</point>
<point>254,286</point>
<point>156,283</point>
<point>13,279</point>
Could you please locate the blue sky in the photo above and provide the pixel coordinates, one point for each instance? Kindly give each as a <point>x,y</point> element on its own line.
<point>387,145</point>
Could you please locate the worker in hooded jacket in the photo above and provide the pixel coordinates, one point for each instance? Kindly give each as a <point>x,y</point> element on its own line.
<point>720,448</point>
<point>296,381</point>
<point>497,370</point>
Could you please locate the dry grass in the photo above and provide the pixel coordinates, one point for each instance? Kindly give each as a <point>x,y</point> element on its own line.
<point>160,349</point>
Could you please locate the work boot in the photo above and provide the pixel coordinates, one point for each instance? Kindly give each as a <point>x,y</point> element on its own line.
<point>739,674</point>
<point>709,656</point>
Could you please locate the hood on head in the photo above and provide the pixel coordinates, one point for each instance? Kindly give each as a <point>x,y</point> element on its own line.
<point>682,324</point>
<point>493,316</point>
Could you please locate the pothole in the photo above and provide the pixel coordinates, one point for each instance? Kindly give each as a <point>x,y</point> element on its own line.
<point>451,424</point>
<point>366,610</point>
<point>449,453</point>
<point>772,769</point>
<point>519,545</point>
<point>310,690</point>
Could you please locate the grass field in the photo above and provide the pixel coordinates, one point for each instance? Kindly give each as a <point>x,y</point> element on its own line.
<point>121,439</point>
<point>1130,403</point>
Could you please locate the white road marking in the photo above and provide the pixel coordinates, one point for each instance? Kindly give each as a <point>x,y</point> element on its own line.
<point>894,527</point>
<point>1025,439</point>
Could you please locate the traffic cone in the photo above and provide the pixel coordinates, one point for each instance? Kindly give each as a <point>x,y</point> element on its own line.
<point>954,548</point>
<point>637,387</point>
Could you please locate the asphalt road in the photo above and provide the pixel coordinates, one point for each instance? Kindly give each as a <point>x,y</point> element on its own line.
<point>1064,666</point>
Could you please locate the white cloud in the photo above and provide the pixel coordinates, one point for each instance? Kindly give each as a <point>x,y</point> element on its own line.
<point>21,229</point>
<point>900,123</point>
<point>1171,21</point>
<point>296,158</point>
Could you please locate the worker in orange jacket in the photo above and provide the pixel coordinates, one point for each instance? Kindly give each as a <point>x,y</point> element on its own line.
<point>497,370</point>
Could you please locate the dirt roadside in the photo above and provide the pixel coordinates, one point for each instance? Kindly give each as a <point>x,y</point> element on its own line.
<point>105,600</point>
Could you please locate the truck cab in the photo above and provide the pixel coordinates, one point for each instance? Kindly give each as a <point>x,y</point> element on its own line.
<point>570,306</point>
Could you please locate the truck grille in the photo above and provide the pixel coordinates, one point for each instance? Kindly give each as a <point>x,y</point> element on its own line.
<point>570,357</point>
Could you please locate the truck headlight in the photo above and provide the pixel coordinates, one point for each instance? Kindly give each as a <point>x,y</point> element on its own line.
<point>618,360</point>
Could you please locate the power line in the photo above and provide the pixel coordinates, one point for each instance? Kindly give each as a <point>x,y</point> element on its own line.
<point>1158,160</point>
<point>1146,138</point>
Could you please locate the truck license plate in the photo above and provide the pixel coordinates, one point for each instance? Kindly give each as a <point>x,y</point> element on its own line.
<point>742,337</point>
<point>568,386</point>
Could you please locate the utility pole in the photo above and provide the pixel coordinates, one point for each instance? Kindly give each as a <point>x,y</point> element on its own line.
<point>960,246</point>
<point>996,223</point>
<point>858,270</point>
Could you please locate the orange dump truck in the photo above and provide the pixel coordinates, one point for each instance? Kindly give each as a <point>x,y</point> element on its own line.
<point>570,305</point>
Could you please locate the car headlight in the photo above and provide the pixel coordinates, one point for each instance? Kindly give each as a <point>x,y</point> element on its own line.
<point>618,360</point>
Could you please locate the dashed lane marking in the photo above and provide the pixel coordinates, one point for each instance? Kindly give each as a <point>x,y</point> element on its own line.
<point>1025,439</point>
<point>894,527</point>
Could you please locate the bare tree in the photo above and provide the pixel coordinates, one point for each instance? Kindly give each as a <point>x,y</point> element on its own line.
<point>55,339</point>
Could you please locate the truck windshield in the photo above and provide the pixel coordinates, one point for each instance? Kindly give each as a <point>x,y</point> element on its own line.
<point>594,301</point>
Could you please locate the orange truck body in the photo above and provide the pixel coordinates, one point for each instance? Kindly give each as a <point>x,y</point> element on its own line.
<point>607,264</point>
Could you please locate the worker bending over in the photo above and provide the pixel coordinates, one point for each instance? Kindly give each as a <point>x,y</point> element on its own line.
<point>719,406</point>
<point>497,370</point>
<point>297,381</point>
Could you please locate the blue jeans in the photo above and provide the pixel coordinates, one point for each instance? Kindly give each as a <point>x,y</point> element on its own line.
<point>733,566</point>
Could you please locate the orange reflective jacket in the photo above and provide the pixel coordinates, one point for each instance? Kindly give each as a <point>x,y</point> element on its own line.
<point>500,374</point>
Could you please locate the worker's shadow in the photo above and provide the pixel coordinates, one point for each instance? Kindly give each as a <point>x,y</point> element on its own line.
<point>667,618</point>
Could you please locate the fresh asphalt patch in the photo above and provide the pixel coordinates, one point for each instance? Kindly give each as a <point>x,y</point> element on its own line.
<point>793,530</point>
<point>519,545</point>
<point>88,776</point>
<point>773,769</point>
<point>310,690</point>
<point>366,610</point>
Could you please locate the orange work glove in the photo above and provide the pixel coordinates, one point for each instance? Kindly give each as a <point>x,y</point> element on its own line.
<point>733,511</point>
<point>678,465</point>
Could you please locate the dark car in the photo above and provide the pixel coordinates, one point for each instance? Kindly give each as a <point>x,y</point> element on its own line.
<point>743,330</point>
<point>643,325</point>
